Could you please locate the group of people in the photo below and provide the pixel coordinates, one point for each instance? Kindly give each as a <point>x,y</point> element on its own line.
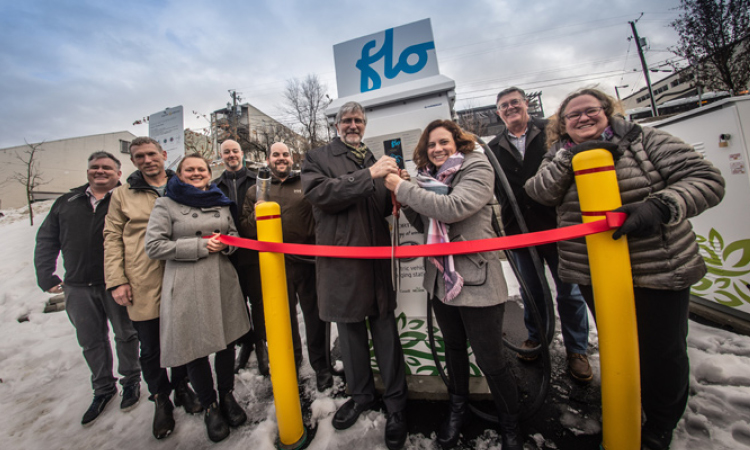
<point>149,260</point>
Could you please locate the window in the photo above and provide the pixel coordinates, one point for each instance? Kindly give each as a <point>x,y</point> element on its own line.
<point>124,146</point>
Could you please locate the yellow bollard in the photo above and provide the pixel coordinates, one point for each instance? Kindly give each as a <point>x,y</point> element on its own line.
<point>292,432</point>
<point>612,283</point>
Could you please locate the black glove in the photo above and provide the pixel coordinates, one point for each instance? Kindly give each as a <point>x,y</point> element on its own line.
<point>644,218</point>
<point>591,145</point>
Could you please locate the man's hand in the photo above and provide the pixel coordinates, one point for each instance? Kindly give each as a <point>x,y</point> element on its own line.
<point>214,244</point>
<point>56,289</point>
<point>123,295</point>
<point>383,167</point>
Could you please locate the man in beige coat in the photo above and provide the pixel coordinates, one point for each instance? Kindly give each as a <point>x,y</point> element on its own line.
<point>135,280</point>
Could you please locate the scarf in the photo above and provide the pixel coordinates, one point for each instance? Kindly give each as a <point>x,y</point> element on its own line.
<point>437,232</point>
<point>359,152</point>
<point>606,135</point>
<point>189,195</point>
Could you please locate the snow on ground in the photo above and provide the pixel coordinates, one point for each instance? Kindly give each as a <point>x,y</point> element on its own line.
<point>45,389</point>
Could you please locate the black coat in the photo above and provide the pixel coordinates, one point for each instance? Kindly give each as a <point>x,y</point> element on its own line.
<point>350,210</point>
<point>537,216</point>
<point>73,227</point>
<point>235,186</point>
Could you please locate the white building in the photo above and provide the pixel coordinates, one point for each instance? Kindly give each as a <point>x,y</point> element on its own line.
<point>62,165</point>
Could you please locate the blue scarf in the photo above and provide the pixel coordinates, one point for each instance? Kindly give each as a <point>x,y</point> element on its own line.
<point>189,195</point>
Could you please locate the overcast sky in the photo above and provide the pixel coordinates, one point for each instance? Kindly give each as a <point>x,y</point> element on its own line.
<point>75,68</point>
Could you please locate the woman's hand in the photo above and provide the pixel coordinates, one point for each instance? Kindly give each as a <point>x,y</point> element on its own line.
<point>392,181</point>
<point>214,244</point>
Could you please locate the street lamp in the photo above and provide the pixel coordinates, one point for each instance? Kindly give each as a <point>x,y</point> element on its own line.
<point>618,92</point>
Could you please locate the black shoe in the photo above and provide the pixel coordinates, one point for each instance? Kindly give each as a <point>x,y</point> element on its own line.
<point>323,379</point>
<point>217,428</point>
<point>262,354</point>
<point>163,419</point>
<point>510,433</point>
<point>232,412</point>
<point>96,408</point>
<point>185,397</point>
<point>348,413</point>
<point>131,395</point>
<point>458,416</point>
<point>243,357</point>
<point>395,431</point>
<point>655,439</point>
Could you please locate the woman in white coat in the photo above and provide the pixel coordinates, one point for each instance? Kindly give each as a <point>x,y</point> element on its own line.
<point>202,309</point>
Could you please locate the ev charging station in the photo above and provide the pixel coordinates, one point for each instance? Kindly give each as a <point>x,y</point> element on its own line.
<point>394,75</point>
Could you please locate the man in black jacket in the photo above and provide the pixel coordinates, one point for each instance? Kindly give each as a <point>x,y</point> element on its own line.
<point>234,183</point>
<point>298,228</point>
<point>74,226</point>
<point>520,147</point>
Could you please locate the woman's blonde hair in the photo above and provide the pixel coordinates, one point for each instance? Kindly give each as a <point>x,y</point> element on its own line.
<point>556,126</point>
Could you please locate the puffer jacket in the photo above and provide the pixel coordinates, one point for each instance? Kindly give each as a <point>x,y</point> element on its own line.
<point>467,211</point>
<point>654,164</point>
<point>125,259</point>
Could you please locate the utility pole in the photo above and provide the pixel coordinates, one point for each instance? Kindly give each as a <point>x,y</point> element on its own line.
<point>654,110</point>
<point>234,117</point>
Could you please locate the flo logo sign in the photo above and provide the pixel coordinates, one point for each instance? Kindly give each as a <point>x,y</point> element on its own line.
<point>393,56</point>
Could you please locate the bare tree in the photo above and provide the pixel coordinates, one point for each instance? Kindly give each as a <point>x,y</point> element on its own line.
<point>715,40</point>
<point>306,100</point>
<point>31,178</point>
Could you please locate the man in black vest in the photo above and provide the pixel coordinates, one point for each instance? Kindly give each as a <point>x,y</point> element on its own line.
<point>234,183</point>
<point>520,147</point>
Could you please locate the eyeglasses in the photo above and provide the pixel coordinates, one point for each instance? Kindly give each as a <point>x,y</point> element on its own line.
<point>350,120</point>
<point>589,112</point>
<point>509,104</point>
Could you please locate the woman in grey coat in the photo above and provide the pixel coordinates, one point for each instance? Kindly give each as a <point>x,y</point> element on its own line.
<point>202,308</point>
<point>450,203</point>
<point>663,182</point>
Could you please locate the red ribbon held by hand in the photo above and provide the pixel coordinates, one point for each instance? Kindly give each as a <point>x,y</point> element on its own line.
<point>612,221</point>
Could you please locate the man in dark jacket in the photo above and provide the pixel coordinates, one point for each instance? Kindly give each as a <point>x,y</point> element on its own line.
<point>344,183</point>
<point>74,226</point>
<point>235,182</point>
<point>298,227</point>
<point>519,148</point>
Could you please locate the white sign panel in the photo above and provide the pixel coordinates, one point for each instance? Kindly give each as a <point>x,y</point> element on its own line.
<point>390,57</point>
<point>167,127</point>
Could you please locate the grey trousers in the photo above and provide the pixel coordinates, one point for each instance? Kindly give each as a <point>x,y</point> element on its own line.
<point>88,309</point>
<point>355,351</point>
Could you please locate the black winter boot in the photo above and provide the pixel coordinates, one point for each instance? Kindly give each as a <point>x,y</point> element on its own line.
<point>231,410</point>
<point>163,419</point>
<point>458,416</point>
<point>216,427</point>
<point>262,353</point>
<point>511,438</point>
<point>242,358</point>
<point>185,397</point>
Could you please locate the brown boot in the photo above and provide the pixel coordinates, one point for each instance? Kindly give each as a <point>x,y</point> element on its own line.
<point>530,351</point>
<point>579,367</point>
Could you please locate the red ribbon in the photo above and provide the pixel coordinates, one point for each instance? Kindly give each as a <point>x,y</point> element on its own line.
<point>613,220</point>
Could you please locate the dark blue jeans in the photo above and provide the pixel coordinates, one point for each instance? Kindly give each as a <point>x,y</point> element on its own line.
<point>571,307</point>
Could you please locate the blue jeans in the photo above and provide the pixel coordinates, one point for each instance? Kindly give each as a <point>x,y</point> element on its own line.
<point>571,307</point>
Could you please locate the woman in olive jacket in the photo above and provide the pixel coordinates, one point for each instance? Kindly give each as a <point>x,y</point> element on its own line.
<point>451,202</point>
<point>663,182</point>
